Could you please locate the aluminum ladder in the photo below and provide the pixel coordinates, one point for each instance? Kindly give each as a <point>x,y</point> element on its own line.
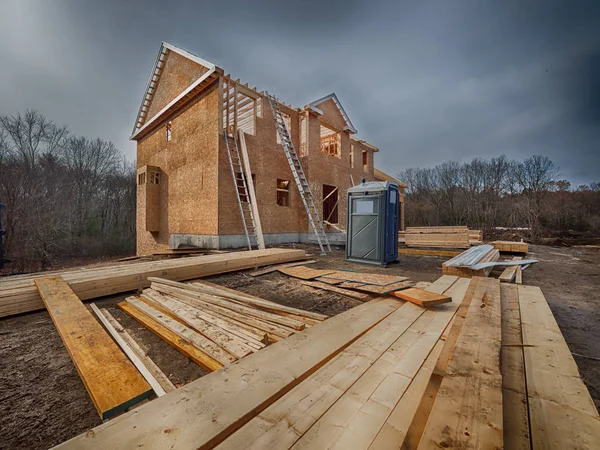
<point>299,176</point>
<point>241,190</point>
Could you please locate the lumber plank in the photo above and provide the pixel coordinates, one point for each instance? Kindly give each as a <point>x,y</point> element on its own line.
<point>21,296</point>
<point>561,411</point>
<point>308,317</point>
<point>133,357</point>
<point>365,278</point>
<point>220,403</point>
<point>519,275</point>
<point>511,247</point>
<point>280,425</point>
<point>422,297</point>
<point>184,332</point>
<point>199,357</point>
<point>228,304</point>
<point>356,418</point>
<point>510,272</point>
<point>197,320</point>
<point>428,252</point>
<point>271,269</point>
<point>467,412</point>
<point>164,381</point>
<point>381,290</point>
<point>440,229</point>
<point>112,381</point>
<point>337,290</point>
<point>514,393</point>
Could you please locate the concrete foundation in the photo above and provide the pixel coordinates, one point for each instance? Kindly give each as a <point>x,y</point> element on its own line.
<point>239,240</point>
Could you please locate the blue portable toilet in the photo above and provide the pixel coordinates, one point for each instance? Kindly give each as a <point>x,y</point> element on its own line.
<point>372,235</point>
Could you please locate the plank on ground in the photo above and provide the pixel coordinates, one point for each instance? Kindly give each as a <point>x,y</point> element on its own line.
<point>561,411</point>
<point>112,381</point>
<point>422,297</point>
<point>304,273</point>
<point>382,290</point>
<point>280,425</point>
<point>224,401</point>
<point>356,418</point>
<point>365,278</point>
<point>337,290</point>
<point>184,347</point>
<point>467,412</point>
<point>137,361</point>
<point>510,272</point>
<point>270,269</point>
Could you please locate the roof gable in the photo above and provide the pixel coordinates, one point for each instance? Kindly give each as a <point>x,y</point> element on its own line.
<point>173,72</point>
<point>320,104</point>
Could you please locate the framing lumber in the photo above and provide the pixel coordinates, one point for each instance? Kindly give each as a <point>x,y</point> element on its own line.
<point>422,297</point>
<point>451,240</point>
<point>112,381</point>
<point>253,202</point>
<point>435,230</point>
<point>519,275</point>
<point>184,332</point>
<point>337,290</point>
<point>510,272</point>
<point>386,289</point>
<point>561,411</point>
<point>21,296</point>
<point>356,418</point>
<point>181,345</point>
<point>428,252</point>
<point>222,402</point>
<point>365,278</point>
<point>134,358</point>
<point>468,409</point>
<point>511,247</point>
<point>462,271</point>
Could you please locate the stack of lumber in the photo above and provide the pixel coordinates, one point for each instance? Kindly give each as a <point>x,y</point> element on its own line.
<point>223,325</point>
<point>511,247</point>
<point>348,282</point>
<point>446,237</point>
<point>461,265</point>
<point>488,370</point>
<point>19,295</point>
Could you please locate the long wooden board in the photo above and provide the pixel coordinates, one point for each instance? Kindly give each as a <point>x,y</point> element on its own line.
<point>195,354</point>
<point>337,290</point>
<point>366,278</point>
<point>270,269</point>
<point>112,381</point>
<point>20,295</point>
<point>468,409</point>
<point>561,411</point>
<point>511,247</point>
<point>208,410</point>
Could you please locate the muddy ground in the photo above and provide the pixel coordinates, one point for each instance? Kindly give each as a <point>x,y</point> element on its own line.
<point>43,401</point>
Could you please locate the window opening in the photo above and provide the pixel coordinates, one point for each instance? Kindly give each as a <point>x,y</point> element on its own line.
<point>330,141</point>
<point>330,203</point>
<point>283,192</point>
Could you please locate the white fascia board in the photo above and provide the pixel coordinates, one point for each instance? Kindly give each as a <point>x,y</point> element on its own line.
<point>175,100</point>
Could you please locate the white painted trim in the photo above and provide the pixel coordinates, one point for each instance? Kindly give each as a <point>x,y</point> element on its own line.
<point>333,97</point>
<point>189,55</point>
<point>175,100</point>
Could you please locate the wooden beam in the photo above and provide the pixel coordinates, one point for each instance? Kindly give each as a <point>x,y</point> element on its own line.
<point>251,191</point>
<point>510,272</point>
<point>20,295</point>
<point>112,381</point>
<point>203,413</point>
<point>427,252</point>
<point>468,410</point>
<point>181,345</point>
<point>337,290</point>
<point>511,247</point>
<point>135,359</point>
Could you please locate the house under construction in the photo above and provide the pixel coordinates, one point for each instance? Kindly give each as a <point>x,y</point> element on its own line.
<point>221,165</point>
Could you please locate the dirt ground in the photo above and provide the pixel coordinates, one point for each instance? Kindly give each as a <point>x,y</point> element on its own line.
<point>43,401</point>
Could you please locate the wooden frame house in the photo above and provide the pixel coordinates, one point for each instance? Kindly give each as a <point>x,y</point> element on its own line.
<point>186,194</point>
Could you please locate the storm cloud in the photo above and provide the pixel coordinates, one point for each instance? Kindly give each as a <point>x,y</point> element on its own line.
<point>425,81</point>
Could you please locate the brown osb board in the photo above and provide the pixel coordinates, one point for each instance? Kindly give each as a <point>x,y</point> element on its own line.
<point>305,273</point>
<point>384,289</point>
<point>350,284</point>
<point>270,269</point>
<point>337,290</point>
<point>366,278</point>
<point>330,280</point>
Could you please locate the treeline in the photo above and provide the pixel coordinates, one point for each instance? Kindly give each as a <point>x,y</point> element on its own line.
<point>498,192</point>
<point>65,196</point>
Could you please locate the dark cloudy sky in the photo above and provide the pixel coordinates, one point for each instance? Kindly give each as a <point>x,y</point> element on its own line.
<point>426,81</point>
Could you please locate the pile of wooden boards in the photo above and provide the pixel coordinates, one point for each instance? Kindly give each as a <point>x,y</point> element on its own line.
<point>488,370</point>
<point>461,265</point>
<point>222,325</point>
<point>445,237</point>
<point>356,285</point>
<point>511,246</point>
<point>18,294</point>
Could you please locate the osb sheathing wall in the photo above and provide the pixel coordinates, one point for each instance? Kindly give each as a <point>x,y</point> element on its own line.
<point>268,163</point>
<point>177,74</point>
<point>189,165</point>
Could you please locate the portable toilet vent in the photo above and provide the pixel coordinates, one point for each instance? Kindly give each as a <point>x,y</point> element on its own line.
<point>372,235</point>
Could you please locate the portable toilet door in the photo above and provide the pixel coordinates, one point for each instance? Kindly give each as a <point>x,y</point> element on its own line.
<point>392,223</point>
